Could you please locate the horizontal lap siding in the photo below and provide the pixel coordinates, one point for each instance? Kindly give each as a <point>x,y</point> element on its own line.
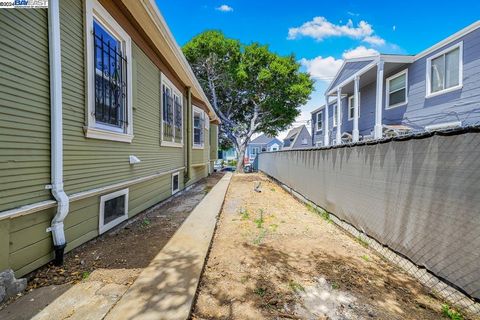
<point>24,108</point>
<point>30,246</point>
<point>91,163</point>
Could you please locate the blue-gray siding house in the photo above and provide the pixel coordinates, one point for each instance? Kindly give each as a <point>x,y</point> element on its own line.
<point>397,94</point>
<point>260,144</point>
<point>297,138</point>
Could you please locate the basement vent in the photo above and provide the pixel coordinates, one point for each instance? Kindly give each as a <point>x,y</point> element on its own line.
<point>175,183</point>
<point>113,210</point>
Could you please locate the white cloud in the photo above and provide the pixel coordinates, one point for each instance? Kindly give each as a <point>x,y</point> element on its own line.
<point>224,8</point>
<point>322,68</point>
<point>358,52</point>
<point>325,69</point>
<point>320,28</point>
<point>394,28</point>
<point>353,14</point>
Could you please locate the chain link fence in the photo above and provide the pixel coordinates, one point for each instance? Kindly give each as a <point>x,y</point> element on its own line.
<point>415,199</point>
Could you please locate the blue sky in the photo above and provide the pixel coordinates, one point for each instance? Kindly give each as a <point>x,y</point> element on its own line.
<point>322,33</point>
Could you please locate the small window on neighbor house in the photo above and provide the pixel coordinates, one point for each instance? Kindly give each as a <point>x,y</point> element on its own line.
<point>198,125</point>
<point>445,70</point>
<point>113,210</point>
<point>319,123</point>
<point>335,113</point>
<point>351,105</point>
<point>175,182</point>
<point>304,141</point>
<point>397,89</point>
<point>255,151</point>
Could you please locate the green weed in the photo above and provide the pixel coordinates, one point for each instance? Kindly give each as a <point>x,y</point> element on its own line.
<point>272,189</point>
<point>85,275</point>
<point>295,286</point>
<point>322,213</point>
<point>245,214</point>
<point>260,291</point>
<point>259,239</point>
<point>259,222</point>
<point>365,257</point>
<point>451,313</point>
<point>335,285</point>
<point>362,242</point>
<point>146,222</point>
<point>274,227</point>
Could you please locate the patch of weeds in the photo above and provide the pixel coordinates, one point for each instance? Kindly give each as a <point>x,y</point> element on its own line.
<point>146,223</point>
<point>451,313</point>
<point>259,239</point>
<point>322,213</point>
<point>362,242</point>
<point>272,189</point>
<point>273,227</point>
<point>366,257</point>
<point>259,222</point>
<point>335,285</point>
<point>245,214</point>
<point>85,275</point>
<point>260,291</point>
<point>295,286</point>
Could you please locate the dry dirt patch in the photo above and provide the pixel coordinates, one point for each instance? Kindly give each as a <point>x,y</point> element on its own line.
<point>274,258</point>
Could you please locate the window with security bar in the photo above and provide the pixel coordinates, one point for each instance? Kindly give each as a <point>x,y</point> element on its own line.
<point>172,114</point>
<point>110,80</point>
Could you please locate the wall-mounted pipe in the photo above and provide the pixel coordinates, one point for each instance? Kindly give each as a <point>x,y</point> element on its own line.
<point>56,128</point>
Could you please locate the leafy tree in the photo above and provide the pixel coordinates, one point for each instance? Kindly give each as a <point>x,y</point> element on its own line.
<point>251,88</point>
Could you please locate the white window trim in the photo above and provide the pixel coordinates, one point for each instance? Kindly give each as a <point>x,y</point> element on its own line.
<point>165,81</point>
<point>93,130</point>
<point>176,174</point>
<point>197,110</point>
<point>334,107</point>
<point>349,105</point>
<point>102,228</point>
<point>256,152</point>
<point>317,129</point>
<point>429,93</point>
<point>387,90</point>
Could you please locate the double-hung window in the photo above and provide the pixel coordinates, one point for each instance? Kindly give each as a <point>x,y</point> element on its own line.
<point>445,70</point>
<point>319,123</point>
<point>351,106</point>
<point>172,114</point>
<point>397,93</point>
<point>109,76</point>
<point>198,128</point>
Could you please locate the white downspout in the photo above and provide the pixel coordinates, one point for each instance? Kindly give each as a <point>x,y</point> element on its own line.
<point>58,233</point>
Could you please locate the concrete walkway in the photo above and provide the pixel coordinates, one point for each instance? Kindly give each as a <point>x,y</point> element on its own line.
<point>165,289</point>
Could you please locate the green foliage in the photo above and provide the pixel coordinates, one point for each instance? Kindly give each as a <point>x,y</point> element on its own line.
<point>295,286</point>
<point>366,257</point>
<point>259,239</point>
<point>245,214</point>
<point>451,313</point>
<point>232,163</point>
<point>322,213</point>
<point>251,88</point>
<point>85,275</point>
<point>260,291</point>
<point>259,221</point>
<point>362,242</point>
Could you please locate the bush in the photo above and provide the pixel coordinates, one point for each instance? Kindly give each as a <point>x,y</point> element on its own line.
<point>232,163</point>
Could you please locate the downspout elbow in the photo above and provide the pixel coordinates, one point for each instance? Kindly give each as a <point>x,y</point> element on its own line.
<point>57,226</point>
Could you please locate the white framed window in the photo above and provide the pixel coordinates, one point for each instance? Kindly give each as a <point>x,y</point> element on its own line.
<point>198,128</point>
<point>397,90</point>
<point>113,210</point>
<point>445,70</point>
<point>175,182</point>
<point>171,105</point>
<point>319,122</point>
<point>304,141</point>
<point>335,113</point>
<point>351,109</point>
<point>109,76</point>
<point>255,151</point>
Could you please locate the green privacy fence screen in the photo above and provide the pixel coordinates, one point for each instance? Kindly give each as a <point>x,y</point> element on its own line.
<point>417,195</point>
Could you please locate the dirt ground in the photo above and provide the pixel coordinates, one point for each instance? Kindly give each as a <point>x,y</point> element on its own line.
<point>274,258</point>
<point>117,256</point>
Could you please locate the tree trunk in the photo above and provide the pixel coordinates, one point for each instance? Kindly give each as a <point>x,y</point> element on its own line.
<point>240,157</point>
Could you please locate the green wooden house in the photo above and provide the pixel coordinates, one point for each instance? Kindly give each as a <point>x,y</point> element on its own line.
<point>101,117</point>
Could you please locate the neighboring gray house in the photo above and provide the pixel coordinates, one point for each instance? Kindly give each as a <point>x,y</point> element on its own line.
<point>298,138</point>
<point>397,94</point>
<point>260,144</point>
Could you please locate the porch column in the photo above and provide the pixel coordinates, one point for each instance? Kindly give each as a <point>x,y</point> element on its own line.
<point>339,116</point>
<point>326,133</point>
<point>378,108</point>
<point>355,133</point>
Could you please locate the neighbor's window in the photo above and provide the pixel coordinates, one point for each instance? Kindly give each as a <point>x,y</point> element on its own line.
<point>255,151</point>
<point>319,123</point>
<point>109,76</point>
<point>397,89</point>
<point>113,210</point>
<point>198,125</point>
<point>335,112</point>
<point>351,105</point>
<point>172,114</point>
<point>445,70</point>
